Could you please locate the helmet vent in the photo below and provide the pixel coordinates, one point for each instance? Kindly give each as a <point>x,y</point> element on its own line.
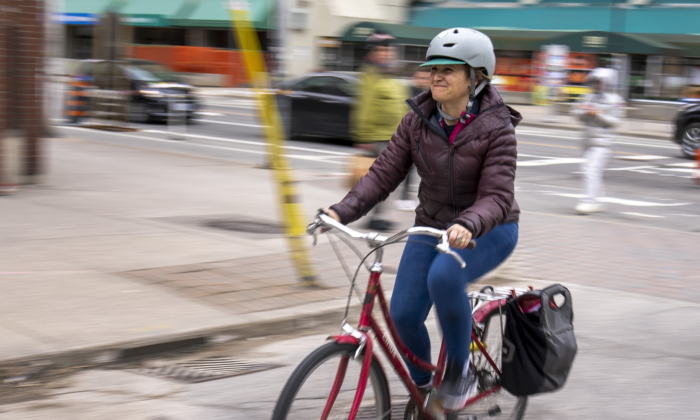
<point>456,31</point>
<point>449,45</point>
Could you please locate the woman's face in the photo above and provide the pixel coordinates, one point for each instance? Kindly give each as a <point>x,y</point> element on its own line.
<point>449,82</point>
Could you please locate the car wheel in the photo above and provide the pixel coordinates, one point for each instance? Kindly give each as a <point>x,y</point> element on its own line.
<point>138,112</point>
<point>690,142</point>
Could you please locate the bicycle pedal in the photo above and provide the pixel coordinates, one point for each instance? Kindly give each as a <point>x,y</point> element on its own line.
<point>434,406</point>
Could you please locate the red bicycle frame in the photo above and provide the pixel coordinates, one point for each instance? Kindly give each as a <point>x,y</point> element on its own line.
<point>361,337</point>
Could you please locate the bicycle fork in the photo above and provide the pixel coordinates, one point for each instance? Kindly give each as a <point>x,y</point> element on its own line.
<point>352,336</point>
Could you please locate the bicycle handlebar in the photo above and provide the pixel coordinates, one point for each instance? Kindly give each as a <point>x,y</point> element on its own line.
<point>374,239</point>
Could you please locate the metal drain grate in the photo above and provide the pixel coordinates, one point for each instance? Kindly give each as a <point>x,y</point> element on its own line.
<point>398,408</point>
<point>205,370</point>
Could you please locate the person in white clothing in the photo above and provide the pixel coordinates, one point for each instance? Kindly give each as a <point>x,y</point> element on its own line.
<point>600,112</point>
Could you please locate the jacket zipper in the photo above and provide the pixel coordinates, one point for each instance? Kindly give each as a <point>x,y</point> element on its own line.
<point>452,186</point>
<point>425,158</point>
<point>440,132</point>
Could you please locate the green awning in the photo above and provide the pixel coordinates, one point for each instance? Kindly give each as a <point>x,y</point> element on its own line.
<point>404,34</point>
<point>88,6</point>
<point>214,14</point>
<point>605,42</point>
<point>503,39</point>
<point>153,12</point>
<point>533,40</point>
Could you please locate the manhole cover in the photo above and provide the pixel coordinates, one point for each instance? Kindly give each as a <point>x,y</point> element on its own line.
<point>245,226</point>
<point>205,370</point>
<point>370,412</point>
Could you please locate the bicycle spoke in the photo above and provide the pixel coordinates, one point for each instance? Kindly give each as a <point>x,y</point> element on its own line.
<point>329,389</point>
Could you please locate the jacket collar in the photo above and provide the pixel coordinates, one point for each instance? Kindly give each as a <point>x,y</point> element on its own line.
<point>493,113</point>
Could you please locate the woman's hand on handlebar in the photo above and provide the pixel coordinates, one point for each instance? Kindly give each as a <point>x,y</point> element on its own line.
<point>459,236</point>
<point>332,214</point>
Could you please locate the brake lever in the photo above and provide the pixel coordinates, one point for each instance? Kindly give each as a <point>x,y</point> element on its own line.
<point>312,229</point>
<point>444,247</point>
<point>457,257</point>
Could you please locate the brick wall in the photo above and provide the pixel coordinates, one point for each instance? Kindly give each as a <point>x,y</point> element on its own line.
<point>21,79</point>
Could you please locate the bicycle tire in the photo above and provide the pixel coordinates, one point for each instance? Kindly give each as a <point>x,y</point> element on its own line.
<point>512,407</point>
<point>377,387</point>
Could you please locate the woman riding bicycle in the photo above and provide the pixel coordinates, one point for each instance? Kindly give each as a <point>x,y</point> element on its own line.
<point>461,137</point>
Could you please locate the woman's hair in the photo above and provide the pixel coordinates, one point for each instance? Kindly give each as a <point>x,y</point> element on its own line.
<point>480,73</point>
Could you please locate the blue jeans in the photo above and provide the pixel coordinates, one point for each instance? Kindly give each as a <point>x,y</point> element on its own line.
<point>425,277</point>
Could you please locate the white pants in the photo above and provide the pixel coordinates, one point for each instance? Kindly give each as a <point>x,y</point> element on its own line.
<point>593,166</point>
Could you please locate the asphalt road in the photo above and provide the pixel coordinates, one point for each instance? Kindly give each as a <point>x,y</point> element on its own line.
<point>646,180</point>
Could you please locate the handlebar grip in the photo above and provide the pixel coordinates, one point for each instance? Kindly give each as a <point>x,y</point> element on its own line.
<point>472,244</point>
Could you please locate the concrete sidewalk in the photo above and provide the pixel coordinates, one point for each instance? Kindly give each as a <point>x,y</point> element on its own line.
<point>125,248</point>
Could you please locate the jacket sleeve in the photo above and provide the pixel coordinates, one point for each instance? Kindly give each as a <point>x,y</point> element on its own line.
<point>384,176</point>
<point>496,189</point>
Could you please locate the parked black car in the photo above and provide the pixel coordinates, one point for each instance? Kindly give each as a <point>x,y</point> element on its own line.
<point>318,104</point>
<point>687,133</point>
<point>150,86</point>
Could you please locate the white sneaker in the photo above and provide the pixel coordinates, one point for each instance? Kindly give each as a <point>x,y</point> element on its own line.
<point>406,205</point>
<point>588,208</point>
<point>458,386</point>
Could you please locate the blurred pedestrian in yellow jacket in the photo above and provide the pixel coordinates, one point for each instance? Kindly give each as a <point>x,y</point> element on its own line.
<point>380,106</point>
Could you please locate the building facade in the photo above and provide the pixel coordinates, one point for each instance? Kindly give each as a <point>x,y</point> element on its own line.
<point>22,120</point>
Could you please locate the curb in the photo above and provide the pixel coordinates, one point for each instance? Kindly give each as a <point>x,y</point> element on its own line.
<point>665,137</point>
<point>100,355</point>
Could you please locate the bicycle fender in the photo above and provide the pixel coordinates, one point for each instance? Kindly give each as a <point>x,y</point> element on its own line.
<point>344,339</point>
<point>486,309</point>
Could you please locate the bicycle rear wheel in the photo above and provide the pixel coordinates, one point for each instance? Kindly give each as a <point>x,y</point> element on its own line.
<point>306,394</point>
<point>511,407</point>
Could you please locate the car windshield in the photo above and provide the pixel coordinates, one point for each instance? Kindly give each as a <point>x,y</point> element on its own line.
<point>136,73</point>
<point>158,71</point>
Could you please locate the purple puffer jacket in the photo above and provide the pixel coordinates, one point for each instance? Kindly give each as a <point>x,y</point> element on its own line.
<point>470,182</point>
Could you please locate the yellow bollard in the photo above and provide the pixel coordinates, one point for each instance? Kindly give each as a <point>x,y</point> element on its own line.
<point>290,204</point>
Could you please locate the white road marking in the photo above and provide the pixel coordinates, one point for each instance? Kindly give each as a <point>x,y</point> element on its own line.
<point>208,146</point>
<point>683,164</point>
<point>553,161</point>
<point>631,168</point>
<point>239,105</point>
<point>210,114</point>
<point>258,143</point>
<point>621,201</point>
<point>650,216</point>
<point>232,123</point>
<point>690,171</point>
<point>643,157</point>
<point>535,156</point>
<point>629,141</point>
<point>686,215</point>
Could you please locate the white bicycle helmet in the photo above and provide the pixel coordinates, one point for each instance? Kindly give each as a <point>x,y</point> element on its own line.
<point>463,46</point>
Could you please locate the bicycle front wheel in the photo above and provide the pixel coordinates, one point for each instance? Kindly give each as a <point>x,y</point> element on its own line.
<point>307,394</point>
<point>511,407</point>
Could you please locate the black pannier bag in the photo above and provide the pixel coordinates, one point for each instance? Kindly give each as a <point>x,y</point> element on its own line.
<point>538,344</point>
